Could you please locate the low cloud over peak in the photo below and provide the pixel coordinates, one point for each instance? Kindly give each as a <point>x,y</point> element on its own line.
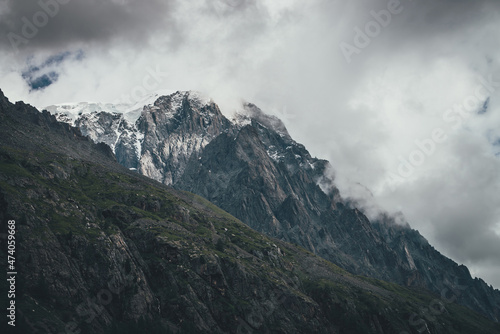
<point>418,86</point>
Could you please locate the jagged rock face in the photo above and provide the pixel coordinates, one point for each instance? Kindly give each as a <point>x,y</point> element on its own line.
<point>253,169</point>
<point>175,128</point>
<point>271,183</point>
<point>115,131</point>
<point>436,272</point>
<point>159,142</point>
<point>114,125</point>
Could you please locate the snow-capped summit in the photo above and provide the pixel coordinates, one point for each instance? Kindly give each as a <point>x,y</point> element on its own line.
<point>155,135</point>
<point>70,112</point>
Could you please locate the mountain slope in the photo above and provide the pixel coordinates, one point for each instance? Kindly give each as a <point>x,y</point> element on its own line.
<point>271,183</point>
<point>253,169</point>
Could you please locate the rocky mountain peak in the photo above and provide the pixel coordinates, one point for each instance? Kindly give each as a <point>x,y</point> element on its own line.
<point>251,114</point>
<point>175,128</point>
<point>4,101</point>
<point>183,110</point>
<point>176,101</point>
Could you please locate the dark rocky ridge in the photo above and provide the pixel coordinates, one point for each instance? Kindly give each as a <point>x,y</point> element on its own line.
<point>254,170</point>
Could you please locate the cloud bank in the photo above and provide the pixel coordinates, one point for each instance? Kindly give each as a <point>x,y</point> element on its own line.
<point>401,96</point>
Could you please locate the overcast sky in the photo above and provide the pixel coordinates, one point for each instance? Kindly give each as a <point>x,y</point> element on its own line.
<point>401,97</point>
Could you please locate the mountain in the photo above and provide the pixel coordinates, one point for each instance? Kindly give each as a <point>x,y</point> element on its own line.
<point>253,169</point>
<point>101,249</point>
<point>159,142</point>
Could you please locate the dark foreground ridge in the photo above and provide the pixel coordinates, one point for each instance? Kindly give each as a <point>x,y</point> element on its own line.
<point>104,250</point>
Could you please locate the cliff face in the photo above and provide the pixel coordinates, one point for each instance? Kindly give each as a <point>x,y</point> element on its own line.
<point>175,128</point>
<point>253,169</point>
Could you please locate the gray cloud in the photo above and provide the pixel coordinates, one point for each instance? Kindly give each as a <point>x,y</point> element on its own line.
<point>285,56</point>
<point>61,24</point>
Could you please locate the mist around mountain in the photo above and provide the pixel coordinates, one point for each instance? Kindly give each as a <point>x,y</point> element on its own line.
<point>252,168</point>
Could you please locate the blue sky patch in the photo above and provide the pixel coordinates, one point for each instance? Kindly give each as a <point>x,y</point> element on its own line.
<point>44,74</point>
